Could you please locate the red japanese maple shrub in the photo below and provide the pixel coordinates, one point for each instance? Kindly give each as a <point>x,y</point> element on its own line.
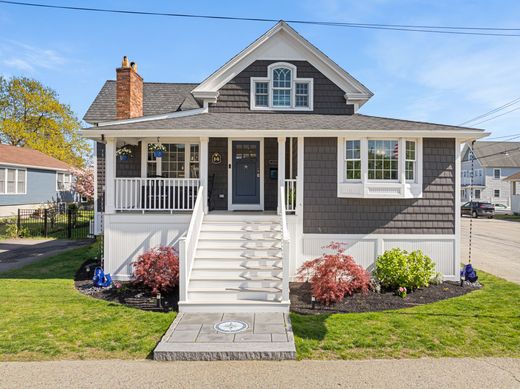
<point>334,275</point>
<point>157,269</point>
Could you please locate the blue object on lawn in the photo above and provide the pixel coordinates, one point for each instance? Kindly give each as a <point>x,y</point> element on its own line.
<point>101,279</point>
<point>468,273</point>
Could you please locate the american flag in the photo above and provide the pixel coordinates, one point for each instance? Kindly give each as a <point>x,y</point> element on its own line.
<point>396,150</point>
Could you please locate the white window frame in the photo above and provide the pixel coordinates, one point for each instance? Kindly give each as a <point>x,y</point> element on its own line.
<point>365,188</point>
<point>495,193</point>
<point>499,173</point>
<point>269,81</point>
<point>67,187</point>
<point>479,194</point>
<point>17,172</point>
<point>187,155</point>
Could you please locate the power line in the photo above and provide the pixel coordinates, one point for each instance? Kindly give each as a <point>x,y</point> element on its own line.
<point>496,116</point>
<point>395,27</point>
<point>512,136</point>
<point>494,110</point>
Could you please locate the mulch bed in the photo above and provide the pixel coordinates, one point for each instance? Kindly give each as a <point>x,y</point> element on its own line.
<point>135,296</point>
<point>128,294</point>
<point>372,302</point>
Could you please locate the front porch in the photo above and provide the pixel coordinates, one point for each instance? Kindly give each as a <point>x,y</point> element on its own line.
<point>239,174</point>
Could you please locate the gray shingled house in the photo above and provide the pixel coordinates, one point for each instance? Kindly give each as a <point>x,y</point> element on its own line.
<point>492,163</point>
<point>262,164</point>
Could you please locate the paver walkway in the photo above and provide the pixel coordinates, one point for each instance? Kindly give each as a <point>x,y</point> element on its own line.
<point>228,336</point>
<point>16,253</point>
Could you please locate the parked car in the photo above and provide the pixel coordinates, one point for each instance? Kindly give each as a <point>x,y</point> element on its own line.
<point>478,208</point>
<point>502,209</point>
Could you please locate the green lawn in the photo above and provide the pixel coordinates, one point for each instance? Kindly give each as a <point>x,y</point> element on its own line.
<point>515,218</point>
<point>483,323</point>
<point>44,317</point>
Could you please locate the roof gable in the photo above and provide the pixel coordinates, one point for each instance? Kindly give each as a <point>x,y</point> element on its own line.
<point>283,42</point>
<point>497,154</point>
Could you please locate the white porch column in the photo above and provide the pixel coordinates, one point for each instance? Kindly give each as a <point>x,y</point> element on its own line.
<point>203,165</point>
<point>110,175</point>
<point>299,177</point>
<point>281,169</point>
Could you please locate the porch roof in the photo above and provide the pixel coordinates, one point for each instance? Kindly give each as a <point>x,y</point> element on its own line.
<point>285,121</point>
<point>220,122</point>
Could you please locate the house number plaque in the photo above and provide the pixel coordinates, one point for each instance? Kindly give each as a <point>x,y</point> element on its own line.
<point>216,158</point>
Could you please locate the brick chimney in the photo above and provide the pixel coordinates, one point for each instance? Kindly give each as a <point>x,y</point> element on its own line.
<point>129,91</point>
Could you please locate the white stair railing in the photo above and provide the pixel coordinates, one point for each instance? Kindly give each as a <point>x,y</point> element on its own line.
<point>286,247</point>
<point>290,193</point>
<point>155,194</point>
<point>188,244</point>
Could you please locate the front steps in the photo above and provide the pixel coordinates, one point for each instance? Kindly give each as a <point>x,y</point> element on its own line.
<point>238,266</point>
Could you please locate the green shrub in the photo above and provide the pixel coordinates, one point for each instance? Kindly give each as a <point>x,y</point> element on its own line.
<point>397,268</point>
<point>11,231</point>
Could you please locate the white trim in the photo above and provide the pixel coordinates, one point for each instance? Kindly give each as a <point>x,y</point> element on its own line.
<point>372,188</point>
<point>203,169</point>
<point>171,115</point>
<point>457,215</point>
<point>187,142</point>
<point>65,189</point>
<point>245,207</point>
<point>313,55</point>
<point>110,175</point>
<point>21,165</point>
<point>269,80</point>
<point>499,173</point>
<point>463,135</point>
<point>16,173</point>
<point>281,176</point>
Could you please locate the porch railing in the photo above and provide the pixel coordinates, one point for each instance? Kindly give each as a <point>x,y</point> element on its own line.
<point>286,247</point>
<point>155,194</point>
<point>290,195</point>
<point>188,245</point>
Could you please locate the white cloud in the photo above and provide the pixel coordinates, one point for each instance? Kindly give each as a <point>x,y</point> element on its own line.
<point>28,58</point>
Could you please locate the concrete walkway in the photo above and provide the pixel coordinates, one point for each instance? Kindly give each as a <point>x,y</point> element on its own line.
<point>418,373</point>
<point>16,253</point>
<point>495,247</point>
<point>228,336</point>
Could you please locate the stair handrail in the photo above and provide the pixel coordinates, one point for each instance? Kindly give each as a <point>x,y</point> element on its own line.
<point>188,245</point>
<point>286,246</point>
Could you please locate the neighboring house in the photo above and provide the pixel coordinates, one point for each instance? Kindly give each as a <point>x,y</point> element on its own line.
<point>493,161</point>
<point>273,133</point>
<point>514,182</point>
<point>29,178</point>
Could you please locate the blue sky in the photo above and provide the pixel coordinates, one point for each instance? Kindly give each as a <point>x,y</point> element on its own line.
<point>430,77</point>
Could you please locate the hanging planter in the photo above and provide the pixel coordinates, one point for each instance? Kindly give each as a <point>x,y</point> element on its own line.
<point>157,149</point>
<point>124,153</point>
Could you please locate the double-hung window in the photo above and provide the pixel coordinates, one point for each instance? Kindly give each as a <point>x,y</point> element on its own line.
<point>380,167</point>
<point>281,89</point>
<point>180,160</point>
<point>13,181</point>
<point>63,181</point>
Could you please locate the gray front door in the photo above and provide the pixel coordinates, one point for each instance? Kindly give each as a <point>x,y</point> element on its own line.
<point>246,172</point>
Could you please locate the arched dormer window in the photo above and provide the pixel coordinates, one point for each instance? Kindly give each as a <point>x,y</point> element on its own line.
<point>281,89</point>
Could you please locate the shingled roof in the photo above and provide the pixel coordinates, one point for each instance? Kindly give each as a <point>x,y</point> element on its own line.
<point>23,156</point>
<point>497,154</point>
<point>284,121</point>
<point>158,98</point>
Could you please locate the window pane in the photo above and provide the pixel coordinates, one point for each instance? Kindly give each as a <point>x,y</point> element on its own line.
<point>261,101</point>
<point>302,89</point>
<point>173,161</point>
<point>2,180</point>
<point>261,95</point>
<point>261,87</point>
<point>302,101</point>
<point>281,78</point>
<point>281,98</point>
<point>11,180</point>
<point>383,159</point>
<point>410,150</point>
<point>21,181</point>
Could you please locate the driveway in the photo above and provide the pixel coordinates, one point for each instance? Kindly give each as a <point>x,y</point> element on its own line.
<point>495,246</point>
<point>16,253</point>
<point>411,373</point>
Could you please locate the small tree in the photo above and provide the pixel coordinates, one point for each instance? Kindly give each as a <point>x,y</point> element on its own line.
<point>158,269</point>
<point>84,182</point>
<point>334,275</point>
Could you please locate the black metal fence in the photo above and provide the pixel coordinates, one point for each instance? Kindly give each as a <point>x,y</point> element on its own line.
<point>64,222</point>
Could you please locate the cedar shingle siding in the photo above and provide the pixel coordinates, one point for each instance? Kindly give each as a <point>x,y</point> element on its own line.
<point>100,161</point>
<point>325,213</point>
<point>235,95</point>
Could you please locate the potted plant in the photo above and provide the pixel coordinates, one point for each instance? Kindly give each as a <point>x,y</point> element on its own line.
<point>157,149</point>
<point>124,153</point>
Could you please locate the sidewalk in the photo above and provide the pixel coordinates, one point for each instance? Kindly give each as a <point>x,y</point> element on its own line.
<point>16,253</point>
<point>413,373</point>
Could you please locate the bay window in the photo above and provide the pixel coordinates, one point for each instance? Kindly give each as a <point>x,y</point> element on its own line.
<point>379,167</point>
<point>13,181</point>
<point>281,89</point>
